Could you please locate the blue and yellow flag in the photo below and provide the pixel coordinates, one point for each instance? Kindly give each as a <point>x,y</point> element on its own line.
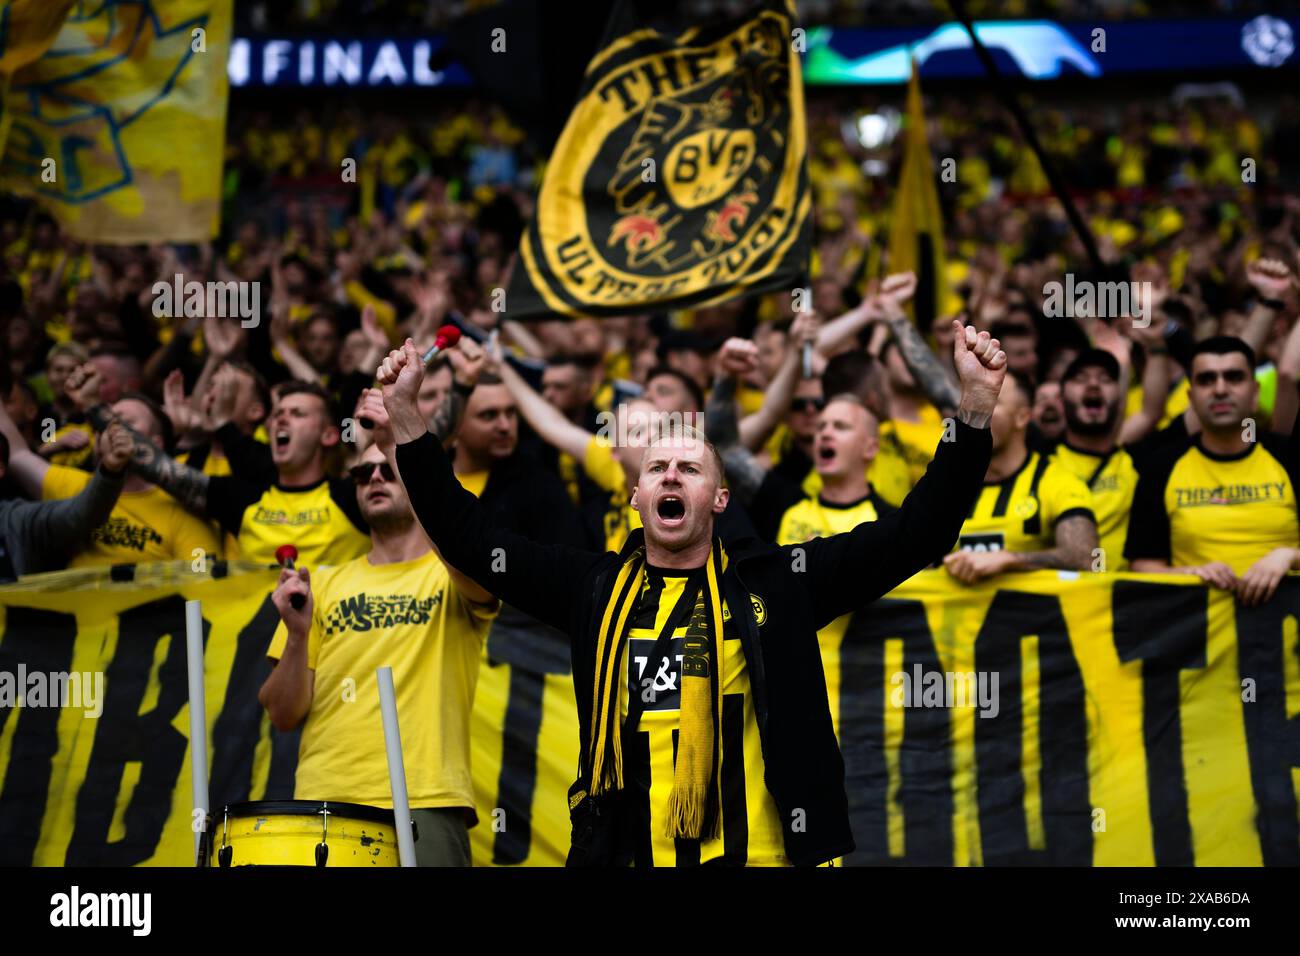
<point>916,227</point>
<point>118,128</point>
<point>27,28</point>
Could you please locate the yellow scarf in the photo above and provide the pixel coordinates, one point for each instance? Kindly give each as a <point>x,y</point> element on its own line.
<point>691,812</point>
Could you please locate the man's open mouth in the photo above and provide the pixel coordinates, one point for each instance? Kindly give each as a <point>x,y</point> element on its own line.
<point>671,509</point>
<point>825,454</point>
<point>281,439</point>
<point>1094,402</point>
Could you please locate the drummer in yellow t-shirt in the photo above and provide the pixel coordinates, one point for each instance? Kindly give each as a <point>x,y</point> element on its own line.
<point>400,606</point>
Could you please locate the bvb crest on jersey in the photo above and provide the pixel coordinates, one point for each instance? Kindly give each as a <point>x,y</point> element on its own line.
<point>680,178</point>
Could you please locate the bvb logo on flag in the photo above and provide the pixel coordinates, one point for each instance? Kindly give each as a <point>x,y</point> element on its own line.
<point>679,178</point>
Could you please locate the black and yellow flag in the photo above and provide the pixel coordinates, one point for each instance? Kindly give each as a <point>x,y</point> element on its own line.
<point>680,178</point>
<point>916,226</point>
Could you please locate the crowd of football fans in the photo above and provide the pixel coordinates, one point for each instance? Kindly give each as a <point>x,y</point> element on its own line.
<point>1183,197</point>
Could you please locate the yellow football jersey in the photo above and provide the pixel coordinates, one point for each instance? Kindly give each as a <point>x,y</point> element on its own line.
<point>1020,512</point>
<point>750,832</point>
<point>1112,479</point>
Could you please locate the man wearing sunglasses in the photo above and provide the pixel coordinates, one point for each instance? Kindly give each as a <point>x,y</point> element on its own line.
<point>397,605</point>
<point>1220,505</point>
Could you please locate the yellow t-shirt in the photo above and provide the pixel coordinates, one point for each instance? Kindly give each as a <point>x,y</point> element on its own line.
<point>604,469</point>
<point>474,482</point>
<point>1112,479</point>
<point>1020,512</point>
<point>814,518</point>
<point>80,456</point>
<point>1193,508</point>
<point>1175,404</point>
<point>147,525</point>
<point>312,519</point>
<point>917,440</point>
<point>410,617</point>
<point>750,830</point>
<point>889,473</point>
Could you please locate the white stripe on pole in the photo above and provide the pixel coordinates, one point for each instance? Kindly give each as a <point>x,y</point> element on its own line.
<point>198,718</point>
<point>396,769</point>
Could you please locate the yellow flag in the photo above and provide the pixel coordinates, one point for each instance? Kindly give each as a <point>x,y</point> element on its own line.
<point>27,28</point>
<point>119,128</point>
<point>916,227</point>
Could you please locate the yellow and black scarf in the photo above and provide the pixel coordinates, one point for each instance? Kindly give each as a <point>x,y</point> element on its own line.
<point>694,801</point>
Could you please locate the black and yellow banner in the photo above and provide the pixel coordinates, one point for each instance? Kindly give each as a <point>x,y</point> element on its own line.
<point>916,224</point>
<point>1107,720</point>
<point>680,178</point>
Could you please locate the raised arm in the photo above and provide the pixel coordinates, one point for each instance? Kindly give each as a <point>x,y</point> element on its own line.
<point>933,377</point>
<point>844,328</point>
<point>756,428</point>
<point>187,485</point>
<point>1275,294</point>
<point>467,361</point>
<point>27,468</point>
<point>54,524</point>
<point>547,420</point>
<point>544,580</point>
<point>1155,385</point>
<point>1287,402</point>
<point>848,570</point>
<point>372,407</point>
<point>744,472</point>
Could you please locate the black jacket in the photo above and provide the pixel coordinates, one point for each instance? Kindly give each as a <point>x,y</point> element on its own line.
<point>785,595</point>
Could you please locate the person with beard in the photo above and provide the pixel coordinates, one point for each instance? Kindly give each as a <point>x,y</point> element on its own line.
<point>1222,504</point>
<point>705,731</point>
<point>1032,512</point>
<point>399,605</point>
<point>1098,448</point>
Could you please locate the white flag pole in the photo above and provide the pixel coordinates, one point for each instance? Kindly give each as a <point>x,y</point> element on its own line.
<point>198,723</point>
<point>396,768</point>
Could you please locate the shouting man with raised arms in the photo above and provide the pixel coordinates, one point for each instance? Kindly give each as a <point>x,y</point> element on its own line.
<point>705,730</point>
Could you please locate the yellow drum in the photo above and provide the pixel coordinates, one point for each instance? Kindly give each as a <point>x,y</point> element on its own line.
<point>304,833</point>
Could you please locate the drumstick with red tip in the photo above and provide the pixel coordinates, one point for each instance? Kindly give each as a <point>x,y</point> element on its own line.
<point>285,556</point>
<point>447,337</point>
